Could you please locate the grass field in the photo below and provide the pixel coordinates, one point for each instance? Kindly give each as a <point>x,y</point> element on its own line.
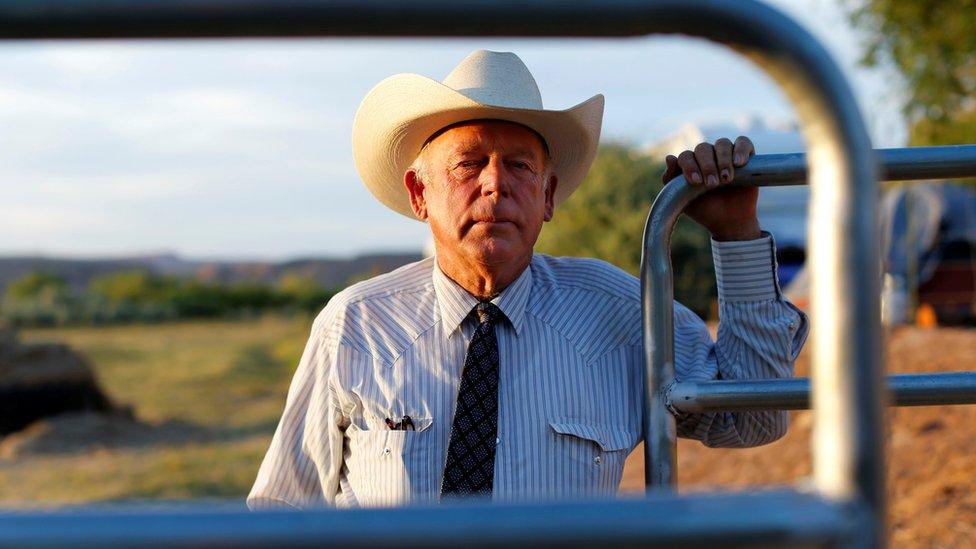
<point>224,385</point>
<point>223,382</point>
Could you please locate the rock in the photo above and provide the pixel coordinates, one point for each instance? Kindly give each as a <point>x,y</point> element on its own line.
<point>39,380</point>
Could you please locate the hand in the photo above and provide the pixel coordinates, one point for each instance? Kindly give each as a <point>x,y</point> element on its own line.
<point>728,213</point>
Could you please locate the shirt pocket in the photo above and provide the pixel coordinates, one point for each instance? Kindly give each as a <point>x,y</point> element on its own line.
<point>393,466</point>
<point>590,455</point>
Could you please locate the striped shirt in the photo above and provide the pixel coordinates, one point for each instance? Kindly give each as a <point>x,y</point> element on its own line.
<point>570,394</point>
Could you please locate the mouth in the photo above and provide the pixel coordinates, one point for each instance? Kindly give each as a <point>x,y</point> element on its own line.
<point>492,222</point>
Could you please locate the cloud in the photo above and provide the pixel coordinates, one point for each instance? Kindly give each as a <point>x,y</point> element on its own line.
<point>191,120</point>
<point>89,60</point>
<point>29,103</point>
<point>243,147</point>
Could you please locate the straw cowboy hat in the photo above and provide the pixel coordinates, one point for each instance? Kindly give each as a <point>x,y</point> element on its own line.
<point>398,116</point>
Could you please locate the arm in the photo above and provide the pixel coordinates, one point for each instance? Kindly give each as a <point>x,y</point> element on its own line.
<point>301,468</point>
<point>760,334</point>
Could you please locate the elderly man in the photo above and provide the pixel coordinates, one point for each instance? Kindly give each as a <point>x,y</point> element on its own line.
<point>490,371</point>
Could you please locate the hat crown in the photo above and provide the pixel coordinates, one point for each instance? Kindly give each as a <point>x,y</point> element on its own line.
<point>495,78</point>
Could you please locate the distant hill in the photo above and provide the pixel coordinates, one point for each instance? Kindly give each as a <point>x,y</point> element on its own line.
<point>329,272</point>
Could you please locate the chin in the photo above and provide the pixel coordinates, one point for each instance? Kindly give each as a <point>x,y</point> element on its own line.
<point>495,251</point>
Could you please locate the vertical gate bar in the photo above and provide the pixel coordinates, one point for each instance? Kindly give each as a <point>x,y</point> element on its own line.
<point>657,302</point>
<point>660,432</point>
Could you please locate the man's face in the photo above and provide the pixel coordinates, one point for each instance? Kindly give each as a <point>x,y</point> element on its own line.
<point>485,190</point>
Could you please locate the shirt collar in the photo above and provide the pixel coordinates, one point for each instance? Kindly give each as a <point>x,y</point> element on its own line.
<point>455,303</point>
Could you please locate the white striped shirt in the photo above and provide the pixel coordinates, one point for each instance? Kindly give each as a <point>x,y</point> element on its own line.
<point>570,394</point>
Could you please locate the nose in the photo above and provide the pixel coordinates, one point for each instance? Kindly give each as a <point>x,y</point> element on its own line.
<point>493,178</point>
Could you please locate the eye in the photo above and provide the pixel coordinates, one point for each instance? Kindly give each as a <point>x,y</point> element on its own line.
<point>468,164</point>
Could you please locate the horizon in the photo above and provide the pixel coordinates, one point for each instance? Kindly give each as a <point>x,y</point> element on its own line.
<point>211,259</point>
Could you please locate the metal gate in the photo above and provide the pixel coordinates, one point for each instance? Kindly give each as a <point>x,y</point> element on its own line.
<point>848,506</point>
<point>836,431</point>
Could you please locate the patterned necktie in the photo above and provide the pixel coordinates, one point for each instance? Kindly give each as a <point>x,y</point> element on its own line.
<point>470,467</point>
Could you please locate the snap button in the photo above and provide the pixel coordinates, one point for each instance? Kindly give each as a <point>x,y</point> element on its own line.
<point>597,460</point>
<point>498,441</point>
<point>386,451</point>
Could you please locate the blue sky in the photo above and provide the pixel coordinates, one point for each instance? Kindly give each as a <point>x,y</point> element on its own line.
<point>240,149</point>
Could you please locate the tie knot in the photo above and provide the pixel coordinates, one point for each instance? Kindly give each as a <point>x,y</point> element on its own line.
<point>488,312</point>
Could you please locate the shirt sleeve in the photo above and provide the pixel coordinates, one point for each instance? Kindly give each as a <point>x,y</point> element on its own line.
<point>759,336</point>
<point>301,467</point>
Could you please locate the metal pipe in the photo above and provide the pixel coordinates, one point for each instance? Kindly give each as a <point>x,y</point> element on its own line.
<point>717,520</point>
<point>902,164</point>
<point>794,394</point>
<point>847,438</point>
<point>763,170</point>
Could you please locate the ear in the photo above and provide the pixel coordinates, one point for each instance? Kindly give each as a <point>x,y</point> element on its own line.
<point>416,189</point>
<point>551,197</point>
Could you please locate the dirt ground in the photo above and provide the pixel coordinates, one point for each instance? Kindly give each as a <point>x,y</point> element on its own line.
<point>931,451</point>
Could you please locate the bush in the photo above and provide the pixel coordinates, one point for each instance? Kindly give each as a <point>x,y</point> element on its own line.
<point>41,299</point>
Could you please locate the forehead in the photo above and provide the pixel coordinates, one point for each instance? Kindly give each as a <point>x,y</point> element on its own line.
<point>482,135</point>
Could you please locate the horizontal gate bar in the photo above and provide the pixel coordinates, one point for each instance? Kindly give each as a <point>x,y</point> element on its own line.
<point>703,520</point>
<point>31,19</point>
<point>902,164</point>
<point>794,394</point>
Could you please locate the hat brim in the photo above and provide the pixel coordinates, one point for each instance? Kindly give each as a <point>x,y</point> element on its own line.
<point>401,112</point>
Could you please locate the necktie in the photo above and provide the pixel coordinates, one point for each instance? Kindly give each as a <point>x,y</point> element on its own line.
<point>470,467</point>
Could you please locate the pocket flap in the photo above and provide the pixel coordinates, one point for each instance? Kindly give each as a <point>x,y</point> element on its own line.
<point>422,423</point>
<point>608,438</point>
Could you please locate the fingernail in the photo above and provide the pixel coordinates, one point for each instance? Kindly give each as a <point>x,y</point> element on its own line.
<point>725,176</point>
<point>712,181</point>
<point>695,178</point>
<point>738,159</point>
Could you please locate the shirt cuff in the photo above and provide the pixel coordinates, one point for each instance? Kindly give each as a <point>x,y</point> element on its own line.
<point>745,270</point>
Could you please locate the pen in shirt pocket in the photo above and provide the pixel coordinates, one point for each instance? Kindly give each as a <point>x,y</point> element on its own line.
<point>405,424</point>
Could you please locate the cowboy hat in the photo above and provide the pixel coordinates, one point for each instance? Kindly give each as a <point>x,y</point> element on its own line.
<point>398,116</point>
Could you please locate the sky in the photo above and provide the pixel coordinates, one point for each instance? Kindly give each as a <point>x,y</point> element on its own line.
<point>240,149</point>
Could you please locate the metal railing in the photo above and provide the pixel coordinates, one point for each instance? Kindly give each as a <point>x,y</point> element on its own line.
<point>917,163</point>
<point>848,506</point>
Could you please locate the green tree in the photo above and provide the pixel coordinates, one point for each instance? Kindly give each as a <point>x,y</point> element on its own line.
<point>36,284</point>
<point>133,287</point>
<point>932,43</point>
<point>38,298</point>
<point>605,219</point>
<point>303,292</point>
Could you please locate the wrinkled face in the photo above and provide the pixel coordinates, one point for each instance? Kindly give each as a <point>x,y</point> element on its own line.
<point>485,190</point>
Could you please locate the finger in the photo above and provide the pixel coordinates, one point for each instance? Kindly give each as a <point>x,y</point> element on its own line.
<point>705,156</point>
<point>723,158</point>
<point>689,166</point>
<point>742,151</point>
<point>671,169</point>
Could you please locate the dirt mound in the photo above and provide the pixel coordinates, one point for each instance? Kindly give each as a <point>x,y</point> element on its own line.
<point>931,450</point>
<point>39,380</point>
<point>85,432</point>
